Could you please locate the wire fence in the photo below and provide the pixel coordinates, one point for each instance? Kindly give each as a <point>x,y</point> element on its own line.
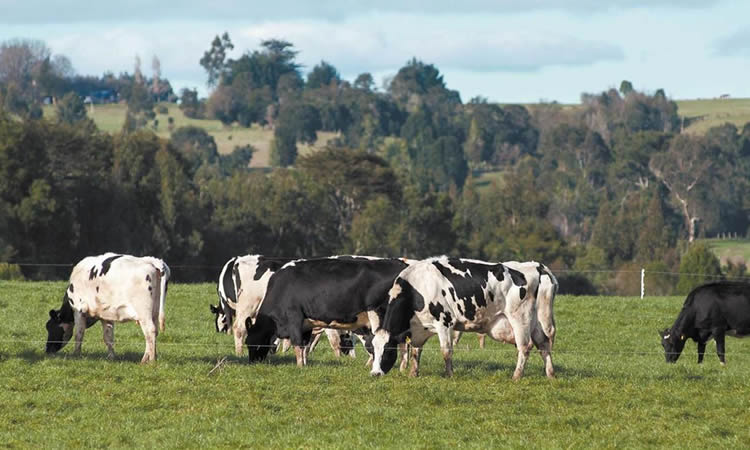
<point>622,282</point>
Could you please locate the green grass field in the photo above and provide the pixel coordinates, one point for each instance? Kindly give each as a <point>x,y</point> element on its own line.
<point>734,250</point>
<point>613,387</point>
<point>714,112</point>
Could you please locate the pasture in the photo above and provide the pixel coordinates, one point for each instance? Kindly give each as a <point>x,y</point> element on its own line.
<point>703,114</point>
<point>613,388</point>
<point>111,117</point>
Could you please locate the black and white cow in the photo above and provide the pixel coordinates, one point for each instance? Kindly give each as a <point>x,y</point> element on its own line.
<point>111,288</point>
<point>242,285</point>
<point>713,310</point>
<point>345,292</point>
<point>544,312</point>
<point>439,295</point>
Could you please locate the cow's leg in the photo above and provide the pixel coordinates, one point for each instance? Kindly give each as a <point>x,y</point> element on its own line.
<point>522,334</point>
<point>456,337</point>
<point>446,348</point>
<point>719,337</point>
<point>79,319</point>
<point>149,333</point>
<point>403,348</point>
<point>416,353</point>
<point>108,332</point>
<point>316,335</point>
<point>543,343</point>
<point>701,351</point>
<point>239,329</point>
<point>481,339</point>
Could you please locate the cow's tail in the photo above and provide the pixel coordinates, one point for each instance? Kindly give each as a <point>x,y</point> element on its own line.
<point>548,287</point>
<point>165,274</point>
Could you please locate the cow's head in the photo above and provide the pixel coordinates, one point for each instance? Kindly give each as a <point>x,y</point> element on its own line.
<point>673,344</point>
<point>59,331</point>
<point>385,350</point>
<point>222,320</point>
<point>260,337</point>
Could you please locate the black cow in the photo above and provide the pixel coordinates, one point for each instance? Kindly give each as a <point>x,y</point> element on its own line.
<point>348,293</point>
<point>712,310</point>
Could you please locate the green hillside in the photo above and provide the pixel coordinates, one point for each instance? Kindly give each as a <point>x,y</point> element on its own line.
<point>700,115</point>
<point>110,118</point>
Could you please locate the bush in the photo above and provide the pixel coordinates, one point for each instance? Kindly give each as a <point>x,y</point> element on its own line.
<point>161,109</point>
<point>575,284</point>
<point>699,265</point>
<point>10,272</point>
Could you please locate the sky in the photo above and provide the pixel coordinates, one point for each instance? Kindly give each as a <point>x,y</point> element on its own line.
<point>508,51</point>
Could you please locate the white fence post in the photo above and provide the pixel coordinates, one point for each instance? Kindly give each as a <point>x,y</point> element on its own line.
<point>643,285</point>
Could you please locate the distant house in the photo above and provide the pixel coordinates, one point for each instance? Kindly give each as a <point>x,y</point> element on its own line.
<point>103,96</point>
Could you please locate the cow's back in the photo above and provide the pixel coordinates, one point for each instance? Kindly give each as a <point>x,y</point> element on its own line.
<point>721,303</point>
<point>115,287</point>
<point>331,289</point>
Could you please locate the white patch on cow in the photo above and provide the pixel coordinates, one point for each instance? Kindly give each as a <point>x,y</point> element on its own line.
<point>378,343</point>
<point>666,336</point>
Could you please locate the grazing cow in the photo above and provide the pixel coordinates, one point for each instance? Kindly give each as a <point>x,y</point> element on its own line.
<point>346,292</point>
<point>438,295</point>
<point>544,314</point>
<point>111,288</point>
<point>712,310</point>
<point>242,285</point>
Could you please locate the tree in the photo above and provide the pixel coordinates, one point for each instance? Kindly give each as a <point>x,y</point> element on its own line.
<point>213,60</point>
<point>196,146</point>
<point>364,81</point>
<point>70,109</point>
<point>699,265</point>
<point>283,146</point>
<point>686,169</point>
<point>323,74</point>
<point>190,105</point>
<point>626,87</point>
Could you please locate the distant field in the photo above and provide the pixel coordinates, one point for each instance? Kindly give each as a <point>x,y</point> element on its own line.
<point>735,250</point>
<point>704,114</point>
<point>110,118</point>
<point>613,387</point>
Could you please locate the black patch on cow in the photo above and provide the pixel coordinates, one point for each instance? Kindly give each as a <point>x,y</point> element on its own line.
<point>448,319</point>
<point>107,263</point>
<point>442,291</point>
<point>97,289</point>
<point>228,285</point>
<point>436,309</point>
<point>468,288</point>
<point>92,273</point>
<point>491,295</point>
<point>517,277</point>
<point>71,288</point>
<point>259,338</point>
<point>150,288</point>
<point>148,278</point>
<point>522,293</point>
<point>402,308</point>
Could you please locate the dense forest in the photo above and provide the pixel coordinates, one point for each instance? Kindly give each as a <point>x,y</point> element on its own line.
<point>612,183</point>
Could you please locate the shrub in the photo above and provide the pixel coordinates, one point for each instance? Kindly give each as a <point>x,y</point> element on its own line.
<point>699,265</point>
<point>10,272</point>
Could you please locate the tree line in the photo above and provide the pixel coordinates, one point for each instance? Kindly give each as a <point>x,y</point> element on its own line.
<point>612,183</point>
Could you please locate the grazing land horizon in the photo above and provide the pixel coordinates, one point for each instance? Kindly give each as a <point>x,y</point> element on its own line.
<point>613,387</point>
